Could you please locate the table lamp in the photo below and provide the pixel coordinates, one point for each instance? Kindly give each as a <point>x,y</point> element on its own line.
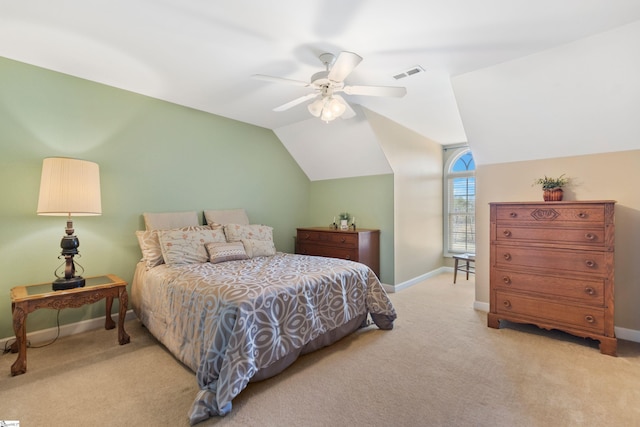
<point>69,187</point>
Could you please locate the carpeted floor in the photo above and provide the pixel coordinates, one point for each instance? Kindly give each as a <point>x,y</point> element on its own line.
<point>440,366</point>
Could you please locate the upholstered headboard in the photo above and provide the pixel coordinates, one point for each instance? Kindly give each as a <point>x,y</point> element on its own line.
<point>226,216</point>
<point>168,220</point>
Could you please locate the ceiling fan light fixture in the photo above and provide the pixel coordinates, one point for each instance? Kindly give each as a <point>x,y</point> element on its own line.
<point>336,107</point>
<point>332,108</point>
<point>315,108</point>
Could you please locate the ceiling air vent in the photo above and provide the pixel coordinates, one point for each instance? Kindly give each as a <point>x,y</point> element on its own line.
<point>410,72</point>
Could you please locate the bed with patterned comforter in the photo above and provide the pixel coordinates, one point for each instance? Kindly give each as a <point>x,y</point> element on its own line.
<point>244,320</point>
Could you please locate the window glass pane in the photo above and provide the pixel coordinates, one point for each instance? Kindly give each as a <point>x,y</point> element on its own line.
<point>464,163</point>
<point>460,205</point>
<point>462,229</point>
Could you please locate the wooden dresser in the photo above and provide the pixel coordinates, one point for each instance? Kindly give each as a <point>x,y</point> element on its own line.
<point>362,245</point>
<point>552,266</point>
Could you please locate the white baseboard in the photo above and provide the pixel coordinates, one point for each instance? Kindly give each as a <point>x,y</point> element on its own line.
<point>481,306</point>
<point>416,280</point>
<point>627,334</point>
<point>46,335</point>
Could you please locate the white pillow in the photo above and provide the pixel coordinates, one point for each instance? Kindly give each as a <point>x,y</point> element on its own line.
<point>150,244</point>
<point>255,248</point>
<point>237,232</point>
<point>187,247</point>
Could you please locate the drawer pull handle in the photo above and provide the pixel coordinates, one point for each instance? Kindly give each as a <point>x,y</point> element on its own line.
<point>506,233</point>
<point>348,257</point>
<point>590,263</point>
<point>506,303</point>
<point>589,318</point>
<point>306,236</point>
<point>582,215</point>
<point>513,214</point>
<point>589,290</point>
<point>343,240</point>
<point>507,256</point>
<point>506,280</point>
<point>589,236</point>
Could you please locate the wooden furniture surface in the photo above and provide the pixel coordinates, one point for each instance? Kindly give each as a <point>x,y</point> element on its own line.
<point>552,265</point>
<point>26,299</point>
<point>361,245</point>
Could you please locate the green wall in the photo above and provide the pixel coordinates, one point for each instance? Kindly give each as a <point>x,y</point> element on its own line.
<point>154,156</point>
<point>369,199</point>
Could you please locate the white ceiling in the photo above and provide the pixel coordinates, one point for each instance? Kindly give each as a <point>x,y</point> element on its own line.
<point>201,54</point>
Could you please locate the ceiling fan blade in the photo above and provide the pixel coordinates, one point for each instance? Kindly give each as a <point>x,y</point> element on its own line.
<point>343,66</point>
<point>376,90</point>
<point>295,102</point>
<point>348,111</point>
<point>280,80</point>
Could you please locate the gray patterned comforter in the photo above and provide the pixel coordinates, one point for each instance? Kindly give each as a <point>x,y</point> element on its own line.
<point>226,321</point>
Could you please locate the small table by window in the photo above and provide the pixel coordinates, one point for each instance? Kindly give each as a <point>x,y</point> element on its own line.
<point>26,299</point>
<point>466,266</point>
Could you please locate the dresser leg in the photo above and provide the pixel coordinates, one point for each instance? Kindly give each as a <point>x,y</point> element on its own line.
<point>493,321</point>
<point>609,346</point>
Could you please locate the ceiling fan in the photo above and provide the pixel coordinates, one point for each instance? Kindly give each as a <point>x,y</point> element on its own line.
<point>326,85</point>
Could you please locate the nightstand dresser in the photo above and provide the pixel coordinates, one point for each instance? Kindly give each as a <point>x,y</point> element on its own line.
<point>26,299</point>
<point>361,245</point>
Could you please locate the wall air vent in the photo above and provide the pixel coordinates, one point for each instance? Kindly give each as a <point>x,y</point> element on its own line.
<point>410,72</point>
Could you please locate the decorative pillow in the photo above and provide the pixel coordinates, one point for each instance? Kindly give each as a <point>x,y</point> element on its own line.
<point>221,252</point>
<point>150,244</point>
<point>257,248</point>
<point>237,232</point>
<point>170,220</point>
<point>226,216</point>
<point>187,247</point>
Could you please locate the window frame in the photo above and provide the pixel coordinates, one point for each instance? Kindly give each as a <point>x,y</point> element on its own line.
<point>451,158</point>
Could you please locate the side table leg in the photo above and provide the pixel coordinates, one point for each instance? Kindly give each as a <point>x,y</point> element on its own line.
<point>19,327</point>
<point>108,321</point>
<point>123,337</point>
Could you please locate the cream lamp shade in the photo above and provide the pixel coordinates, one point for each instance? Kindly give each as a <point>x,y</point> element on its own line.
<point>69,187</point>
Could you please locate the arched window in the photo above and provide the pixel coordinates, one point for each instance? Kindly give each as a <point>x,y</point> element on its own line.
<point>460,203</point>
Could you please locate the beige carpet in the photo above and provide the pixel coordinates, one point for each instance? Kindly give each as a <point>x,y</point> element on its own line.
<point>440,366</point>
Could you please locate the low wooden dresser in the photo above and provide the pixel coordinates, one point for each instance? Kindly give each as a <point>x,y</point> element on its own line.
<point>362,245</point>
<point>552,265</point>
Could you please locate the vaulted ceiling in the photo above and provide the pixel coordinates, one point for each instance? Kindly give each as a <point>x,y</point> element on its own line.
<point>202,54</point>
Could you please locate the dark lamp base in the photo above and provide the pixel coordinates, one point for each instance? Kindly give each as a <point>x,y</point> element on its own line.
<point>74,282</point>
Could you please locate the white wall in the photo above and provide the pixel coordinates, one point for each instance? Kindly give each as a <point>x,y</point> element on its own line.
<point>580,98</point>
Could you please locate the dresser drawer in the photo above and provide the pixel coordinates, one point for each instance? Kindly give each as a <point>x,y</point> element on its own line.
<point>589,236</point>
<point>308,248</point>
<point>336,239</point>
<point>575,213</point>
<point>542,310</point>
<point>552,260</point>
<point>581,291</point>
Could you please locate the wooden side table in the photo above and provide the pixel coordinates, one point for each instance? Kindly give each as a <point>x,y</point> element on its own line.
<point>26,299</point>
<point>466,267</point>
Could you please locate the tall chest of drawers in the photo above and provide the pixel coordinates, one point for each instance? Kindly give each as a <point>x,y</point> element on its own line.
<point>552,265</point>
<point>361,245</point>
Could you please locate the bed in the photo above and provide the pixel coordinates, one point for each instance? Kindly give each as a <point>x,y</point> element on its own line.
<point>224,302</point>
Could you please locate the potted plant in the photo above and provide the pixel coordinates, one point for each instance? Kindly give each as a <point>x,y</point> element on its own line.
<point>552,187</point>
<point>344,220</point>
